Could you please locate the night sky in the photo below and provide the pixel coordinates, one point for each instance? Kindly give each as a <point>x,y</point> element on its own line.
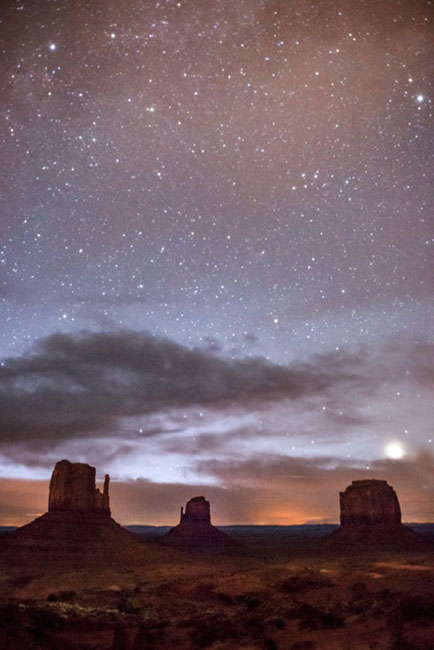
<point>216,253</point>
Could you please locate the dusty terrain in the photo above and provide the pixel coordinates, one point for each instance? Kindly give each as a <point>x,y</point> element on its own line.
<point>286,594</point>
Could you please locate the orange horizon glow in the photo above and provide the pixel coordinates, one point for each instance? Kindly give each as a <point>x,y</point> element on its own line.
<point>23,500</point>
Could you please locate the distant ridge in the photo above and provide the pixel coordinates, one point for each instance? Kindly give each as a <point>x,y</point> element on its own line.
<point>314,530</point>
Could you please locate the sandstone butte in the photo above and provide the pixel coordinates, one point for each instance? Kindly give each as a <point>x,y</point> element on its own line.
<point>72,489</point>
<point>370,502</point>
<point>195,530</point>
<point>79,520</point>
<point>370,517</point>
<point>78,517</point>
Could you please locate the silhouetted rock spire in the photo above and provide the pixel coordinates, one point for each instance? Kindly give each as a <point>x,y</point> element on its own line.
<point>78,518</point>
<point>72,488</point>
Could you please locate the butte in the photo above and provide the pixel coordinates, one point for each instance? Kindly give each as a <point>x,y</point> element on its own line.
<point>371,520</point>
<point>195,530</point>
<point>78,520</point>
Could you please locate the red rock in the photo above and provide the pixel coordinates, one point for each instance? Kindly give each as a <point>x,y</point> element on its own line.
<point>72,488</point>
<point>78,518</point>
<point>371,520</point>
<point>369,502</point>
<point>195,530</point>
<point>197,509</point>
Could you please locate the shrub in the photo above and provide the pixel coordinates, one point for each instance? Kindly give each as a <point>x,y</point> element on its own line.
<point>9,616</point>
<point>277,622</point>
<point>298,583</point>
<point>250,601</point>
<point>358,590</point>
<point>314,618</point>
<point>44,621</point>
<point>303,645</point>
<point>129,603</point>
<point>417,608</point>
<point>214,628</point>
<point>62,596</point>
<point>225,599</point>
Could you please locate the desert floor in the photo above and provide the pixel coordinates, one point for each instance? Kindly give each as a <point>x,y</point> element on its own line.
<point>285,596</point>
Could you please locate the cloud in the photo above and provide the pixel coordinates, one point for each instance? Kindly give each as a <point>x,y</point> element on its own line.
<point>67,385</point>
<point>92,384</point>
<point>276,469</point>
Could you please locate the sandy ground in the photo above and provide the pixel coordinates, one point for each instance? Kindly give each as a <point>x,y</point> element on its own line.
<point>270,598</point>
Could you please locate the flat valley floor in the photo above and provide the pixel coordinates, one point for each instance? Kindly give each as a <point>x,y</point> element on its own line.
<point>266,594</point>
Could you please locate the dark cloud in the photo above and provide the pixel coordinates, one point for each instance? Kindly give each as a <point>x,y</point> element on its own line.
<point>249,337</point>
<point>67,385</point>
<point>43,455</point>
<point>207,442</point>
<point>212,344</point>
<point>269,468</point>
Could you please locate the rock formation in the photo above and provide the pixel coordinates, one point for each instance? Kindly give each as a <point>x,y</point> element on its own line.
<point>195,530</point>
<point>72,488</point>
<point>197,510</point>
<point>370,502</point>
<point>371,519</point>
<point>78,518</point>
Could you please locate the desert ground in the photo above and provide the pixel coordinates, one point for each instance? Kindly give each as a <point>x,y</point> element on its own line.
<point>269,593</point>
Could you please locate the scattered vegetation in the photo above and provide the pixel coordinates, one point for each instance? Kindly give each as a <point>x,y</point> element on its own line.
<point>315,618</point>
<point>304,582</point>
<point>62,596</point>
<point>227,608</point>
<point>130,602</point>
<point>418,608</point>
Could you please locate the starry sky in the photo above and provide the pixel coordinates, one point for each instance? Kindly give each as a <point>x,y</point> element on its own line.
<point>216,253</point>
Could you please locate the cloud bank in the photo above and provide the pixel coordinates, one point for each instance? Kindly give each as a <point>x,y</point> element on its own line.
<point>68,385</point>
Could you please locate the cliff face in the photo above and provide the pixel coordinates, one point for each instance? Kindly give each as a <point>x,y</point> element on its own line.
<point>370,502</point>
<point>78,520</point>
<point>72,488</point>
<point>371,521</point>
<point>198,510</point>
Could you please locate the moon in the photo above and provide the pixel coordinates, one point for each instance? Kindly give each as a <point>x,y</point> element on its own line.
<point>395,450</point>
